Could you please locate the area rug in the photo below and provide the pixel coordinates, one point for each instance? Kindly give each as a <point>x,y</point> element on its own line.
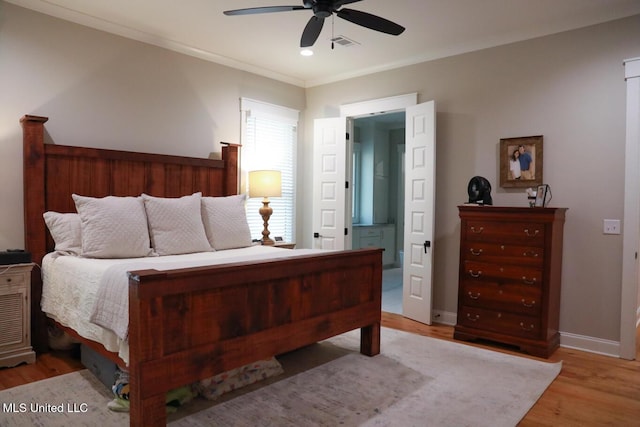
<point>415,381</point>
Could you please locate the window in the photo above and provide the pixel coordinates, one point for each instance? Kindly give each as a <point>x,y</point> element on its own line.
<point>269,137</point>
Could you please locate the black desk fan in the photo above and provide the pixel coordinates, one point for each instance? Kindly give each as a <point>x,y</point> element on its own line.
<point>479,190</point>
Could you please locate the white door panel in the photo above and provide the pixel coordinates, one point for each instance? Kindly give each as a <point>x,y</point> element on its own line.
<point>329,177</point>
<point>419,212</point>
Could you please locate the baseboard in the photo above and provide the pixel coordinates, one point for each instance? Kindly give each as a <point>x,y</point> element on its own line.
<point>590,344</point>
<point>567,340</point>
<point>444,317</point>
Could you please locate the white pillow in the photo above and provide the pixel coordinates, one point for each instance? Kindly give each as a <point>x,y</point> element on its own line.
<point>175,225</point>
<point>65,228</point>
<point>225,221</point>
<point>113,227</point>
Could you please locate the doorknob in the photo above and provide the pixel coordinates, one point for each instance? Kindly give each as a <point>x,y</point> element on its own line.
<point>427,244</point>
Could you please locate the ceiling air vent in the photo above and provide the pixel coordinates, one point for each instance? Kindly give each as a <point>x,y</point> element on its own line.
<point>343,41</point>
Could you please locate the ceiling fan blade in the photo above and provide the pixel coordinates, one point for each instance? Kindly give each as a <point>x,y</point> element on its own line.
<point>339,3</point>
<point>266,9</point>
<point>371,21</point>
<point>311,31</point>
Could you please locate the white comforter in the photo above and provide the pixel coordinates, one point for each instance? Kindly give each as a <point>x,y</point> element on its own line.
<point>72,285</point>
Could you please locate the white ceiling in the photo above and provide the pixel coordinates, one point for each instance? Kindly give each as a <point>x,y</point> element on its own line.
<point>268,44</point>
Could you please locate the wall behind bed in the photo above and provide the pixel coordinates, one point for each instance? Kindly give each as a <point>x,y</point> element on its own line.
<point>105,91</point>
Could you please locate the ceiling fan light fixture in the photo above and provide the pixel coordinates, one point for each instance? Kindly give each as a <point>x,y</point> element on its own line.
<point>306,52</point>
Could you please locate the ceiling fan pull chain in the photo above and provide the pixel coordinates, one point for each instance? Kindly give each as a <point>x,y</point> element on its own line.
<point>333,37</point>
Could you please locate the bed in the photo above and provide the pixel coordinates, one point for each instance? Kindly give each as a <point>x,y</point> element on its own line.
<point>190,323</point>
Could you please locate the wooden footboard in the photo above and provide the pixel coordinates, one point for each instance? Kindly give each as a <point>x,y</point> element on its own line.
<point>193,323</point>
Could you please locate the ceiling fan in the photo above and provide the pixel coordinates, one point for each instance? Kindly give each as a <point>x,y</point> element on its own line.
<point>323,9</point>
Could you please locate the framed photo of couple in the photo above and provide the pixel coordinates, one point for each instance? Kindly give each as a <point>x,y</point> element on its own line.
<point>521,162</point>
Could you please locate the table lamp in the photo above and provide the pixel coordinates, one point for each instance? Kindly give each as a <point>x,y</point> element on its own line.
<point>265,184</point>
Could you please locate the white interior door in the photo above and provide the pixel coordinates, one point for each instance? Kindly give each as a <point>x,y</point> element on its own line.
<point>329,178</point>
<point>419,216</point>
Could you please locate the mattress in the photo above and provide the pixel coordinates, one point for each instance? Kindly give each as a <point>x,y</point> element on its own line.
<point>71,284</point>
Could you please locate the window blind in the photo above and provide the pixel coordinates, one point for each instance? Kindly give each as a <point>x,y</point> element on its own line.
<point>269,139</point>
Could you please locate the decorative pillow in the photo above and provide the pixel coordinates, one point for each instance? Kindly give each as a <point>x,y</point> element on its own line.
<point>65,228</point>
<point>175,225</point>
<point>225,221</point>
<point>113,227</point>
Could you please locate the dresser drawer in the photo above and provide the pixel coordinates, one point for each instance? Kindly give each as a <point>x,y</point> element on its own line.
<point>503,253</point>
<point>500,322</point>
<point>515,298</point>
<point>515,273</point>
<point>519,233</point>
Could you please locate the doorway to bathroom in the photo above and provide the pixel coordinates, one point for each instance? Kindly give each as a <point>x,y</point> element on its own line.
<point>378,196</point>
<point>332,210</point>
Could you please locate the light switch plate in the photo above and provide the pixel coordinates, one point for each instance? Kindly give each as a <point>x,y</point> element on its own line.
<point>611,226</point>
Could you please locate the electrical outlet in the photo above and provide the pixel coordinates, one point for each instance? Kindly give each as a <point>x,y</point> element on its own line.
<point>611,226</point>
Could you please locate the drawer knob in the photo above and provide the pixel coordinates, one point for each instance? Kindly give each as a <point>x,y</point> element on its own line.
<point>9,280</point>
<point>478,274</point>
<point>475,296</point>
<point>473,318</point>
<point>531,304</point>
<point>474,252</point>
<point>530,253</point>
<point>531,234</point>
<point>529,281</point>
<point>478,231</point>
<point>525,328</point>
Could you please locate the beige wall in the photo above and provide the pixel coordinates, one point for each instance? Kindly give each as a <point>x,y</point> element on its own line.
<point>569,88</point>
<point>107,91</point>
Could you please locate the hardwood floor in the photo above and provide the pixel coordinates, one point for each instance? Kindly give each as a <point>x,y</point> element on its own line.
<point>47,365</point>
<point>591,390</point>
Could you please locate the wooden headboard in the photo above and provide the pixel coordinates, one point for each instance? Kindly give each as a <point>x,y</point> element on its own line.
<point>52,173</point>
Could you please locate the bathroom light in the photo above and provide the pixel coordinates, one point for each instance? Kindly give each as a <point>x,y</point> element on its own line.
<point>306,52</point>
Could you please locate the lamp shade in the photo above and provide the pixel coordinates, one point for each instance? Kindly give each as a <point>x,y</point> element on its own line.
<point>265,183</point>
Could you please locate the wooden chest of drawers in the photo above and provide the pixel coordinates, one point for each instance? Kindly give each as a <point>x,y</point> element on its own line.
<point>510,273</point>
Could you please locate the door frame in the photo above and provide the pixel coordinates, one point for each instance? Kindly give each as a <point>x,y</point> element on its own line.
<point>351,111</point>
<point>355,110</point>
<point>629,313</point>
<point>377,106</point>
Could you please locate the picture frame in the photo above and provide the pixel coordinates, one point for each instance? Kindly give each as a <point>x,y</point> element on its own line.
<point>541,196</point>
<point>512,168</point>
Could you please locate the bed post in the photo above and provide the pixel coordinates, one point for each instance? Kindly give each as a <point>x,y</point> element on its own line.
<point>230,156</point>
<point>35,233</point>
<point>370,340</point>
